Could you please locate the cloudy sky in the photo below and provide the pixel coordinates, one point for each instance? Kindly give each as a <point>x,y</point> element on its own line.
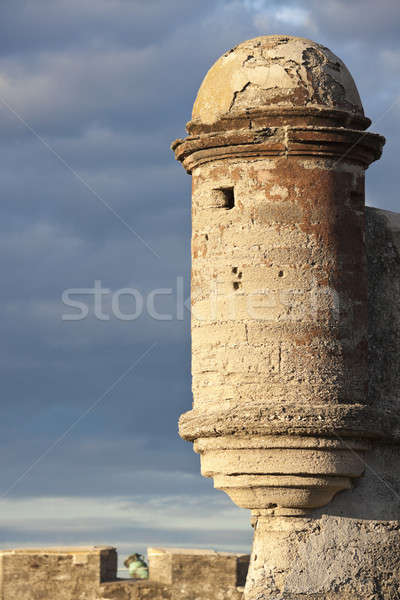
<point>92,92</point>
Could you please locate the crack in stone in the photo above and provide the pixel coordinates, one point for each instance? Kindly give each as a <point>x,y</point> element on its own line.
<point>235,95</point>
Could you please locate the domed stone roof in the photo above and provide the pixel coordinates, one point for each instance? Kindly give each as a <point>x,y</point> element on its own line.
<point>272,72</point>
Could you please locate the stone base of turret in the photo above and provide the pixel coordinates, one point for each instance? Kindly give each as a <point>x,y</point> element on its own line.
<point>348,550</point>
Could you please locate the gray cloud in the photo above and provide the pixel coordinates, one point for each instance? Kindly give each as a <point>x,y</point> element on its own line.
<point>108,86</point>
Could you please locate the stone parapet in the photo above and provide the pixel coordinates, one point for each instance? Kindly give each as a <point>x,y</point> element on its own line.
<point>55,573</point>
<point>91,574</point>
<point>200,574</point>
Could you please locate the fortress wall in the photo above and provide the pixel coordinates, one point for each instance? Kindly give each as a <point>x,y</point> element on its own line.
<point>55,573</point>
<point>91,574</point>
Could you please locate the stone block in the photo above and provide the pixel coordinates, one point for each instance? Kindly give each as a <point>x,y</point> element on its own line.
<point>55,573</point>
<point>200,574</point>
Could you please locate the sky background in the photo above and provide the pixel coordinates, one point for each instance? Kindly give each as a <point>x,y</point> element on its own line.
<point>92,92</point>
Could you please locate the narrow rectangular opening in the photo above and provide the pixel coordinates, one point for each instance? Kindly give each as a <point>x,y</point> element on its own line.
<point>229,197</point>
<point>223,198</point>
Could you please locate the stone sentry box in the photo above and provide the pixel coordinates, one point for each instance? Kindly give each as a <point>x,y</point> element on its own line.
<point>290,406</point>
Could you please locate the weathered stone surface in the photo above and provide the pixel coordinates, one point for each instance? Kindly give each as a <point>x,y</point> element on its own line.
<point>349,550</point>
<point>134,590</point>
<point>90,574</point>
<point>279,280</point>
<point>282,71</point>
<point>55,573</point>
<point>306,302</point>
<point>295,321</point>
<point>383,253</point>
<point>199,574</point>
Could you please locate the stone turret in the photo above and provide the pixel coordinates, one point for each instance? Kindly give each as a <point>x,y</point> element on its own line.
<point>282,416</point>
